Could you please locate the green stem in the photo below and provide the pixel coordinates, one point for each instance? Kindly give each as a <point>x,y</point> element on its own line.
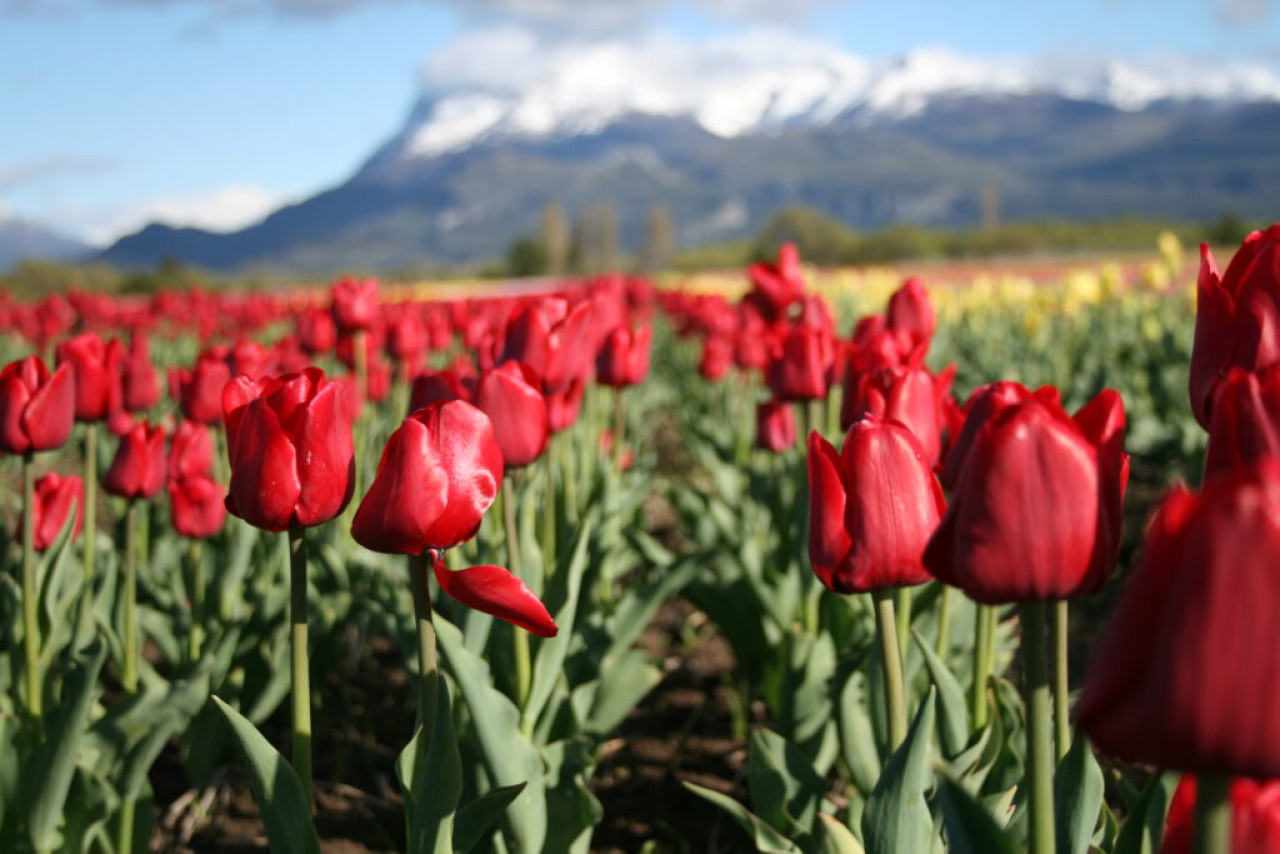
<point>132,648</point>
<point>124,827</point>
<point>519,640</point>
<point>428,660</point>
<point>549,515</point>
<point>1061,680</point>
<point>894,691</point>
<point>1040,758</point>
<point>90,525</point>
<point>195,639</point>
<point>984,628</point>
<point>300,670</point>
<point>902,605</point>
<point>941,645</point>
<point>31,593</point>
<point>619,427</point>
<point>1213,814</point>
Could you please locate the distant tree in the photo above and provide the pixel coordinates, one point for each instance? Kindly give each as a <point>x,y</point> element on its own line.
<point>1229,229</point>
<point>526,257</point>
<point>660,240</point>
<point>556,237</point>
<point>820,238</point>
<point>596,239</point>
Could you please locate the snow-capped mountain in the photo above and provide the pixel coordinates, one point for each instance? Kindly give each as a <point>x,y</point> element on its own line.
<point>746,87</point>
<point>729,133</point>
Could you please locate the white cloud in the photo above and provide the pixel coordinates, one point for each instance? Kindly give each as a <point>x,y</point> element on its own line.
<point>225,209</point>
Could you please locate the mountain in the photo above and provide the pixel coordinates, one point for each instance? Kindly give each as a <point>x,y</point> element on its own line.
<point>22,239</point>
<point>919,140</point>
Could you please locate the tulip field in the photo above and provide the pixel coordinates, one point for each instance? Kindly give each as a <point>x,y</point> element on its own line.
<point>780,559</point>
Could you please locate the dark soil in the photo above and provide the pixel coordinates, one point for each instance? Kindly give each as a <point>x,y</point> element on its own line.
<point>682,732</point>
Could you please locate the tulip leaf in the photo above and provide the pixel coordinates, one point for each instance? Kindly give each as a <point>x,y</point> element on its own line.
<point>51,767</point>
<point>508,755</point>
<point>785,790</point>
<point>766,839</point>
<point>970,827</point>
<point>835,838</point>
<point>549,667</point>
<point>276,788</point>
<point>1144,828</point>
<point>478,819</point>
<point>897,817</point>
<point>572,810</point>
<point>430,772</point>
<point>1078,789</point>
<point>857,739</point>
<point>603,703</point>
<point>953,708</point>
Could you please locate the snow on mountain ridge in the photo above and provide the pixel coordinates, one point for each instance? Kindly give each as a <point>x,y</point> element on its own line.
<point>760,82</point>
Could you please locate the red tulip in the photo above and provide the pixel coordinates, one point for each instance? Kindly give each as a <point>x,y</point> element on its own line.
<point>439,473</point>
<point>355,304</point>
<point>775,426</point>
<point>512,398</point>
<point>984,403</point>
<point>95,374</point>
<point>496,591</point>
<point>551,338</point>
<point>432,386</point>
<point>37,409</point>
<point>200,388</point>
<point>1245,425</point>
<point>776,287</point>
<point>1237,316</point>
<point>911,312</point>
<point>1255,817</point>
<point>798,368</point>
<point>1187,675</point>
<point>564,405</point>
<point>624,357</point>
<point>55,496</point>
<point>140,467</point>
<point>191,453</point>
<point>197,506</point>
<point>1036,513</point>
<point>873,507</point>
<point>289,441</point>
<point>317,332</point>
<point>907,395</point>
<point>138,381</point>
<point>717,357</point>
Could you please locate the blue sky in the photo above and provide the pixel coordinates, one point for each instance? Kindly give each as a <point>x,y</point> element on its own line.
<point>216,111</point>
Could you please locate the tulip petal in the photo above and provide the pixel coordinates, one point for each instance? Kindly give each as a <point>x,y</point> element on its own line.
<point>51,413</point>
<point>14,397</point>
<point>494,590</point>
<point>828,540</point>
<point>517,411</point>
<point>463,437</point>
<point>411,489</point>
<point>264,471</point>
<point>1215,339</point>
<point>322,437</point>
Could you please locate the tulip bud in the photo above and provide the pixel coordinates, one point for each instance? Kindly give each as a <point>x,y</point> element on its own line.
<point>717,357</point>
<point>911,312</point>
<point>873,507</point>
<point>984,403</point>
<point>191,453</point>
<point>798,368</point>
<point>317,332</point>
<point>564,405</point>
<point>139,467</point>
<point>776,287</point>
<point>290,445</point>
<point>1204,595</point>
<point>55,498</point>
<point>139,384</point>
<point>355,304</point>
<point>200,388</point>
<point>439,473</point>
<point>94,374</point>
<point>1245,425</point>
<point>197,506</point>
<point>1237,314</point>
<point>510,395</point>
<point>775,426</point>
<point>907,395</point>
<point>1036,514</point>
<point>624,357</point>
<point>37,409</point>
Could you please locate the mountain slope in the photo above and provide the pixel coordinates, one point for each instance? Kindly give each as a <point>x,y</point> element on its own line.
<point>21,239</point>
<point>1049,156</point>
